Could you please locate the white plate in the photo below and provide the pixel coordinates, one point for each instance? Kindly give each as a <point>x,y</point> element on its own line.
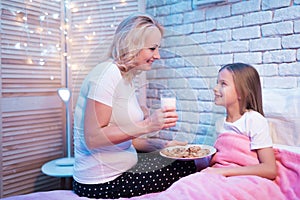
<point>211,149</point>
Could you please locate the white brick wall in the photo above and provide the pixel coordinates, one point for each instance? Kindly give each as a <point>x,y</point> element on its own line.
<point>280,28</point>
<point>199,40</point>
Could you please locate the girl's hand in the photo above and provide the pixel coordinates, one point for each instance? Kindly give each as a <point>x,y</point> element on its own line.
<point>213,170</point>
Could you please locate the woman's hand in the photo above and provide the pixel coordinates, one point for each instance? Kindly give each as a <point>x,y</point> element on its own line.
<point>161,119</point>
<point>154,143</point>
<point>175,143</point>
<point>146,112</point>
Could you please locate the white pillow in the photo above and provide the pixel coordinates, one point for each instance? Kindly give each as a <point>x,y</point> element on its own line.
<point>282,109</point>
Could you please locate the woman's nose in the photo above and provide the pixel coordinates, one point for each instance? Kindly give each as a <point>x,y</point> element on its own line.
<point>156,54</point>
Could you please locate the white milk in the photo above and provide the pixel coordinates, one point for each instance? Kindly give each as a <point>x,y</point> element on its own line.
<point>169,102</point>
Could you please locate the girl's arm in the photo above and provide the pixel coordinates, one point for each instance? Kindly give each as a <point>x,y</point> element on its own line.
<point>266,168</point>
<point>98,134</point>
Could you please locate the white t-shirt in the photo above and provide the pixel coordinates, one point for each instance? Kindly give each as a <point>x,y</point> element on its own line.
<point>106,85</point>
<point>253,125</point>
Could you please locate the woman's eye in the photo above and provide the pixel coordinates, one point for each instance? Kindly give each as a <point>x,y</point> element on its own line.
<point>152,48</point>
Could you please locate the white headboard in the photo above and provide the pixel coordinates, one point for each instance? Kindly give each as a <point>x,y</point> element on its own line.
<point>282,109</point>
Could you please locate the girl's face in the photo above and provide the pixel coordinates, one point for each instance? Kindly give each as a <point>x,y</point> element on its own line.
<point>150,52</point>
<point>225,91</point>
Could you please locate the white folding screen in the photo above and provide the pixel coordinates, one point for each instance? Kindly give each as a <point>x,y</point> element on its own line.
<point>40,42</point>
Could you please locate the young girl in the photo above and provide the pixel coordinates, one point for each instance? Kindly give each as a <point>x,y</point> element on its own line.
<point>238,89</point>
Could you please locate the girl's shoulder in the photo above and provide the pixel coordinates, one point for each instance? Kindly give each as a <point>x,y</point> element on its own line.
<point>253,114</point>
<point>255,118</point>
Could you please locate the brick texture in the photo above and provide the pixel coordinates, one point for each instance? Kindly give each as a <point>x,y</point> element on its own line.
<point>200,39</point>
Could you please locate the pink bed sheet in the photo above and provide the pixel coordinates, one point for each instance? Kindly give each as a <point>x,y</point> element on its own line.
<point>231,151</point>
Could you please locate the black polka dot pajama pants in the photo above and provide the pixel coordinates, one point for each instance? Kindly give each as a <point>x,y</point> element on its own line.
<point>152,173</point>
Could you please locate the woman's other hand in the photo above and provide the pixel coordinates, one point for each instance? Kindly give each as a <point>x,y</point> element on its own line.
<point>172,143</point>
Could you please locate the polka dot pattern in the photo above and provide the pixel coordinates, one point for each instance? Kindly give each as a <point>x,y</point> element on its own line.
<point>152,173</point>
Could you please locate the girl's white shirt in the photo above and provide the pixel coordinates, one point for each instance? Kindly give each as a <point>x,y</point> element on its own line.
<point>251,124</point>
<point>106,85</point>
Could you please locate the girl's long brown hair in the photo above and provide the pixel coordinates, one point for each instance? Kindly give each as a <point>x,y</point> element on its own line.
<point>248,86</point>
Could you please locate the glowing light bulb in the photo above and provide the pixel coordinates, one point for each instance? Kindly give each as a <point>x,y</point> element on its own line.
<point>75,10</point>
<point>42,61</point>
<point>29,61</point>
<point>55,15</point>
<point>88,20</point>
<point>18,45</point>
<point>42,18</point>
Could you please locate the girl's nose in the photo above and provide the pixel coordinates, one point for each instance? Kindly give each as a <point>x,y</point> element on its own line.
<point>215,88</point>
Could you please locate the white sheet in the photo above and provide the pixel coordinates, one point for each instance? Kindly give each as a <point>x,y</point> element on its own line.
<point>287,147</point>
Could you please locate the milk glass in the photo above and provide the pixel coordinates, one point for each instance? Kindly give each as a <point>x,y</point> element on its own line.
<point>168,99</point>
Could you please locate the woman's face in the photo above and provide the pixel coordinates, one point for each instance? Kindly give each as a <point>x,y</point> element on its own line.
<point>225,91</point>
<point>150,52</point>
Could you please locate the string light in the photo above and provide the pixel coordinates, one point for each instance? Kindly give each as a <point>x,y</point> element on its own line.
<point>42,30</point>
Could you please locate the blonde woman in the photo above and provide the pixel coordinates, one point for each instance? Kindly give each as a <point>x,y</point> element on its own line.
<point>108,121</point>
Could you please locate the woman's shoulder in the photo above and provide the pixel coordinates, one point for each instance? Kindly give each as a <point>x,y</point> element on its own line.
<point>106,65</point>
<point>105,69</point>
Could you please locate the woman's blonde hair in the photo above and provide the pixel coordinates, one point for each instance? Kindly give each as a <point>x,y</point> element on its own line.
<point>248,86</point>
<point>129,40</point>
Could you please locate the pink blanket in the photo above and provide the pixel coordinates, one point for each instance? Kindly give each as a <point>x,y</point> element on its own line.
<point>231,151</point>
<point>234,150</point>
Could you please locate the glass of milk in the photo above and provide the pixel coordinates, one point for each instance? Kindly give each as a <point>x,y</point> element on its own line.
<point>168,99</point>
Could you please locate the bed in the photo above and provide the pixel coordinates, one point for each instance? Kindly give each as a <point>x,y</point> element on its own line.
<point>284,118</point>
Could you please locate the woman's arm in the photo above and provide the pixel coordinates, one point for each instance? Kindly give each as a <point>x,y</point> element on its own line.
<point>98,134</point>
<point>266,168</point>
<point>154,144</point>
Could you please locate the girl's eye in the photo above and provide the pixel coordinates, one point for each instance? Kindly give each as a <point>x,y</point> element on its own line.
<point>152,48</point>
<point>223,84</point>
